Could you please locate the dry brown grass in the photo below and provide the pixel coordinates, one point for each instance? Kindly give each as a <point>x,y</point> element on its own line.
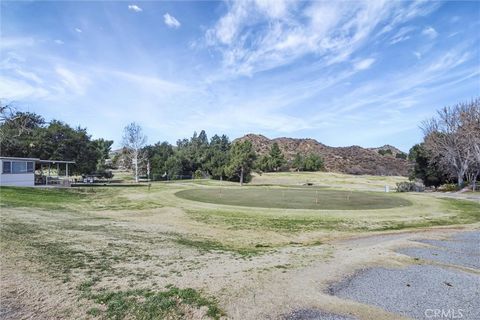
<point>257,262</point>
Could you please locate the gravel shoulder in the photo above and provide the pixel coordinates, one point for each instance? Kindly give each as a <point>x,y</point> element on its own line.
<point>426,289</point>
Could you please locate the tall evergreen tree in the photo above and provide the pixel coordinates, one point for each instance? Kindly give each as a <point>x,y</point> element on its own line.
<point>218,156</point>
<point>242,157</point>
<point>277,159</point>
<point>298,162</point>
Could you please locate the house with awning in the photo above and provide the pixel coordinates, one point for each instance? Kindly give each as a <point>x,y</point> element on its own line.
<point>28,172</point>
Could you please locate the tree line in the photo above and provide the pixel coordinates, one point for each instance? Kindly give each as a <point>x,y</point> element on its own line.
<point>28,135</point>
<point>200,157</point>
<point>450,151</point>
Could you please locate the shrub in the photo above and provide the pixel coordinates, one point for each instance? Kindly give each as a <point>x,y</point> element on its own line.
<point>449,187</point>
<point>199,174</point>
<point>385,152</point>
<point>401,156</point>
<point>408,186</point>
<point>311,162</point>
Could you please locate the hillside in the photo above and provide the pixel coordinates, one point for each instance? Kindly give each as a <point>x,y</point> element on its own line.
<point>353,159</point>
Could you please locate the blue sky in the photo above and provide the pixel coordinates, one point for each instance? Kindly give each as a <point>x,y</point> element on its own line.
<point>342,72</point>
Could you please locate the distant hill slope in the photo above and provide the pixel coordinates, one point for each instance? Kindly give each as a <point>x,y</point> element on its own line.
<point>394,151</point>
<point>353,160</point>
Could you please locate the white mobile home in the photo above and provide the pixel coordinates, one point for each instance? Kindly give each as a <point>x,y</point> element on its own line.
<point>21,171</point>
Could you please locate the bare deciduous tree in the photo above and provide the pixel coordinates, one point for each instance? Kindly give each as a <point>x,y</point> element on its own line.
<point>470,117</point>
<point>453,138</point>
<point>6,112</point>
<point>133,142</point>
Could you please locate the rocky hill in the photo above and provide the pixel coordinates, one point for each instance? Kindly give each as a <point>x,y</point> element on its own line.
<point>389,150</point>
<point>353,160</point>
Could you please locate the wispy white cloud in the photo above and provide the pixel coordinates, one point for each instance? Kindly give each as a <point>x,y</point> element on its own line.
<point>424,78</point>
<point>29,76</point>
<point>305,64</point>
<point>75,83</point>
<point>78,30</point>
<point>14,89</point>
<point>58,41</point>
<point>147,83</point>
<point>364,64</point>
<point>171,21</point>
<point>135,8</point>
<point>402,35</point>
<point>430,32</point>
<point>16,42</point>
<point>254,36</point>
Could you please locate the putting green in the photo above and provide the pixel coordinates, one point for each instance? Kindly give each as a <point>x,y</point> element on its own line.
<point>320,199</point>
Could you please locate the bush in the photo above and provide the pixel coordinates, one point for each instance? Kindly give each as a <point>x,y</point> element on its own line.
<point>401,156</point>
<point>408,186</point>
<point>311,162</point>
<point>385,152</point>
<point>449,187</point>
<point>199,174</point>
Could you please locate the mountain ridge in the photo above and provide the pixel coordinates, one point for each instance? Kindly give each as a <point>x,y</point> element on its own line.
<point>352,159</point>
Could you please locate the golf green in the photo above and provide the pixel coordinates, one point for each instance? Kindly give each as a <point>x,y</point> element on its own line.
<point>291,198</point>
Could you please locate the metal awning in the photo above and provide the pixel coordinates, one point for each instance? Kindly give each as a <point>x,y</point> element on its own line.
<point>54,161</point>
<point>36,160</point>
<point>19,158</point>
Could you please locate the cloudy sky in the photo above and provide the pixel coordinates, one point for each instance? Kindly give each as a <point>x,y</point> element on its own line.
<point>344,73</point>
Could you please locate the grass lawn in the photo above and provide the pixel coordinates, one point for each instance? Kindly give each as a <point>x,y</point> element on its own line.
<point>188,249</point>
<point>298,198</point>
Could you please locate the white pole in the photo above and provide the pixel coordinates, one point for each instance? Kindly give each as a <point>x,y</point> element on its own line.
<point>66,171</point>
<point>148,170</point>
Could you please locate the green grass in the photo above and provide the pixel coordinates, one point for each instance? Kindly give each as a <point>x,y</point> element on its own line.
<point>207,245</point>
<point>467,212</point>
<point>301,198</point>
<point>461,212</point>
<point>46,198</point>
<point>146,303</point>
<point>127,251</point>
<point>60,258</point>
<point>76,199</point>
<point>288,224</point>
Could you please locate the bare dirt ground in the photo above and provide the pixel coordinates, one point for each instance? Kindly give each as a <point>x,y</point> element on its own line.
<point>268,286</point>
<point>52,261</point>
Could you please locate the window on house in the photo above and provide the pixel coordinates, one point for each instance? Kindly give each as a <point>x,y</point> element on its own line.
<point>30,167</point>
<point>7,167</point>
<point>19,167</point>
